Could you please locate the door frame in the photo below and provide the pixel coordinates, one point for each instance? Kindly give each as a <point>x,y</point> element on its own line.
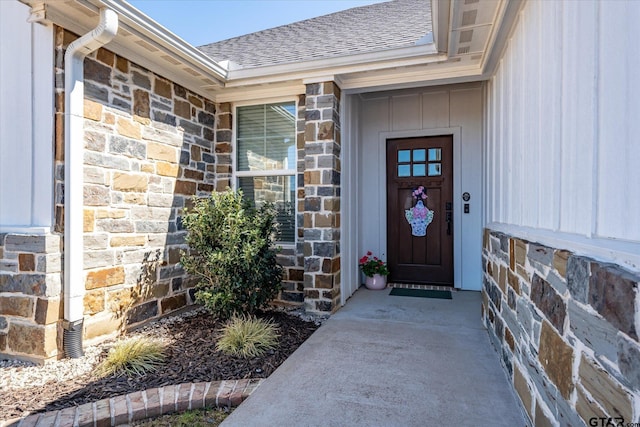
<point>455,133</point>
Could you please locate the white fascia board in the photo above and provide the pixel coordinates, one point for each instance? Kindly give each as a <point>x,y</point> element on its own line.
<point>413,79</point>
<point>77,16</point>
<point>435,74</point>
<point>445,78</point>
<point>249,93</point>
<point>143,26</point>
<point>138,55</point>
<point>344,64</point>
<point>441,12</point>
<point>503,25</point>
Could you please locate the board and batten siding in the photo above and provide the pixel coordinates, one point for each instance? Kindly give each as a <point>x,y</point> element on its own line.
<point>563,130</point>
<point>26,121</point>
<point>445,110</point>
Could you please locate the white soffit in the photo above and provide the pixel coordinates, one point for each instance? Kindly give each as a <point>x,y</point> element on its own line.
<point>141,40</point>
<point>471,35</point>
<point>472,23</point>
<point>471,38</point>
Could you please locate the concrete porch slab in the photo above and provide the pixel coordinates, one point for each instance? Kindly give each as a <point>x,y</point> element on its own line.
<point>389,361</point>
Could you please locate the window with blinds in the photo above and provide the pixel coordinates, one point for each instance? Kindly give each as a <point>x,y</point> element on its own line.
<point>266,160</point>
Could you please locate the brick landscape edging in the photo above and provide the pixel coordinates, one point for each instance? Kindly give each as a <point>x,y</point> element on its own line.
<point>144,404</point>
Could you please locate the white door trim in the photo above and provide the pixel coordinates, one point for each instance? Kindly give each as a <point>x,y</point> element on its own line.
<point>455,132</point>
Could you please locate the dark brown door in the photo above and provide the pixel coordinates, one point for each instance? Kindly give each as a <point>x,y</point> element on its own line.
<point>414,162</point>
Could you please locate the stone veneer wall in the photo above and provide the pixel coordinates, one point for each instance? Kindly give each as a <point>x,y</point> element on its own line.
<point>150,146</point>
<point>30,286</point>
<point>321,209</point>
<point>566,328</point>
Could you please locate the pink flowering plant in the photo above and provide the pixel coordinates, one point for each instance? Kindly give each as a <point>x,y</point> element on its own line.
<point>371,265</point>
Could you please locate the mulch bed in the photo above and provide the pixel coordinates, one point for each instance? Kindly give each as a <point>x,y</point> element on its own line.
<point>190,357</point>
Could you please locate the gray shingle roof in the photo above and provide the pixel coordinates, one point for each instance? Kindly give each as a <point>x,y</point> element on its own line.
<point>394,24</point>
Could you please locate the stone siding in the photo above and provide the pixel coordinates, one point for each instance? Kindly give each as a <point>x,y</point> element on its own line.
<point>150,146</point>
<point>30,286</point>
<point>321,207</point>
<point>566,328</point>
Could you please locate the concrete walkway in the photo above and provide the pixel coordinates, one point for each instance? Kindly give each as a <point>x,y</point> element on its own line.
<point>389,361</point>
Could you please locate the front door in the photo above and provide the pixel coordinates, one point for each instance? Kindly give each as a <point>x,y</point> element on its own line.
<point>412,163</point>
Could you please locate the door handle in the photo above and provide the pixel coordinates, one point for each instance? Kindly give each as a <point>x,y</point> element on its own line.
<point>448,218</point>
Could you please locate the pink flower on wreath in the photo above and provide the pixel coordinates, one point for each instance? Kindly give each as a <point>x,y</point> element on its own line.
<point>419,193</point>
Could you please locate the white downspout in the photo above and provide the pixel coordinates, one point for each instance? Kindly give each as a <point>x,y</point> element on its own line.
<point>73,176</point>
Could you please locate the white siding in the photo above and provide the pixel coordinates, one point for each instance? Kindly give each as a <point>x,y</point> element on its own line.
<point>618,186</point>
<point>563,136</point>
<point>26,120</point>
<point>453,110</point>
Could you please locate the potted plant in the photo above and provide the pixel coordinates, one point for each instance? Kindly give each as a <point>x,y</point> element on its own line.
<point>375,270</point>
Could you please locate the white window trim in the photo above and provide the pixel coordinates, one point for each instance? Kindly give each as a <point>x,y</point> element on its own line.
<point>273,172</point>
<point>270,172</point>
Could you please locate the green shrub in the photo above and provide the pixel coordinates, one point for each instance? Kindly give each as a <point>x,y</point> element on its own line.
<point>247,337</point>
<point>232,254</point>
<point>134,356</point>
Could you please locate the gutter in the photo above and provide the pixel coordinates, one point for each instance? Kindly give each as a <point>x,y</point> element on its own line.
<point>370,61</point>
<point>136,22</point>
<point>74,180</point>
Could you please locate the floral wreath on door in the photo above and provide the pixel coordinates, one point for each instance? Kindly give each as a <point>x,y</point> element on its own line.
<point>419,216</point>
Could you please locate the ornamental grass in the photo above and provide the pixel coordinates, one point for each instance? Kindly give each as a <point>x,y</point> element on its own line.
<point>135,356</point>
<point>247,337</point>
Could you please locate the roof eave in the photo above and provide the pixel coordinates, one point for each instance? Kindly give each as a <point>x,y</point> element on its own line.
<point>377,60</point>
<point>139,39</point>
<point>506,18</point>
<point>151,29</point>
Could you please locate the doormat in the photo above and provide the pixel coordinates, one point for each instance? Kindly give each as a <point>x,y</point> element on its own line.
<point>420,293</point>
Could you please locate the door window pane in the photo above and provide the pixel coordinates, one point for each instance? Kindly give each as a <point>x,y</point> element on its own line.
<point>434,169</point>
<point>404,156</point>
<point>404,170</point>
<point>419,155</point>
<point>419,169</point>
<point>435,154</point>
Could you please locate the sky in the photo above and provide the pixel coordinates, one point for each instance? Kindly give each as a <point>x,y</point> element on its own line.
<point>201,22</point>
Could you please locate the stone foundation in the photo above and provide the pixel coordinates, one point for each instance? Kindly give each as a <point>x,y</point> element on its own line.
<point>30,288</point>
<point>566,328</point>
